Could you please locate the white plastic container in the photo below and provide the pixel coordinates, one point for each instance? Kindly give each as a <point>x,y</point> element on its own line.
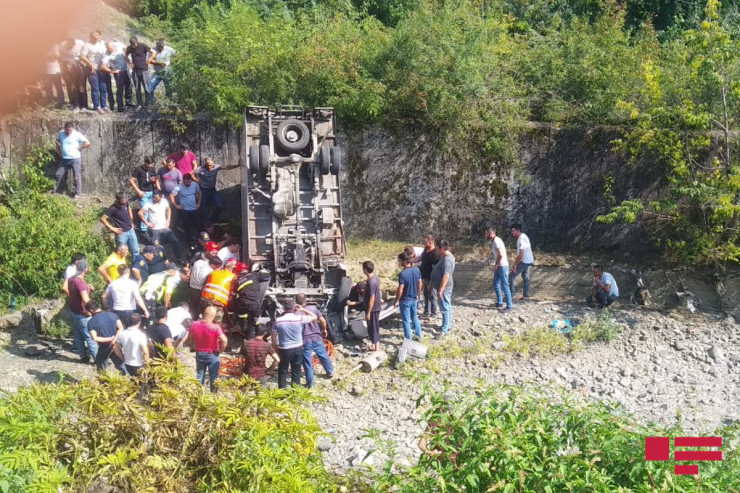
<point>414,349</point>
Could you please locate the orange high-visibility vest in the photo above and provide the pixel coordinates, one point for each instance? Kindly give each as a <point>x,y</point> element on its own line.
<point>218,286</point>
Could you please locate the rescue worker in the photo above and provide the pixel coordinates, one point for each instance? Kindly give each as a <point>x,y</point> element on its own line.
<point>140,267</point>
<point>158,289</point>
<point>217,289</point>
<point>249,292</point>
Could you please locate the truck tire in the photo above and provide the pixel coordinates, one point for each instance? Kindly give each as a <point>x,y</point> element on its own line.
<point>325,160</point>
<point>336,160</point>
<point>264,157</point>
<point>341,295</point>
<point>254,159</point>
<point>293,135</point>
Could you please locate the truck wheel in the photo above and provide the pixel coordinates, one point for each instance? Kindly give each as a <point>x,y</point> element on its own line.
<point>254,159</point>
<point>264,157</point>
<point>336,160</point>
<point>325,160</point>
<point>293,135</point>
<point>342,294</point>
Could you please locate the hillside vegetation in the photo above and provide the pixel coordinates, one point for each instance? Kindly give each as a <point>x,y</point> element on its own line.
<point>473,74</point>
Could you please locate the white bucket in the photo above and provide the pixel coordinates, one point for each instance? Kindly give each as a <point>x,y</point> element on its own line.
<point>413,348</point>
<point>358,328</point>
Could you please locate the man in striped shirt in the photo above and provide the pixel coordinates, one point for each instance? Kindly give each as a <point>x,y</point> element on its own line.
<point>288,329</point>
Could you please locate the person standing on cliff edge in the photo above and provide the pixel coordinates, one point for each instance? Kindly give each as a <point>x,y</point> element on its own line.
<point>70,142</point>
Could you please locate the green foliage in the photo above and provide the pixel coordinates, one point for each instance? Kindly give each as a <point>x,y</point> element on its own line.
<point>59,329</point>
<point>537,341</point>
<point>80,437</point>
<point>600,328</point>
<point>689,90</point>
<point>513,439</point>
<point>40,234</point>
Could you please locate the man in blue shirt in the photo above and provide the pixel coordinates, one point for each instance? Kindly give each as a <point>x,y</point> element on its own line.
<point>186,198</point>
<point>407,294</point>
<point>605,289</point>
<point>70,143</point>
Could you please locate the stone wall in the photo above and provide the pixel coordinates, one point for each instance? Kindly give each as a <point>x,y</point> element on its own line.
<point>400,188</point>
<point>395,187</point>
<point>119,143</point>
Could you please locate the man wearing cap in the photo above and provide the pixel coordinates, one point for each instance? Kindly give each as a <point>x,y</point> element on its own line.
<point>157,217</point>
<point>199,273</point>
<point>197,249</point>
<point>109,268</point>
<point>122,216</point>
<point>186,199</point>
<point>140,266</point>
<point>209,341</point>
<point>288,329</point>
<point>78,292</point>
<point>250,288</point>
<point>372,304</point>
<point>217,289</point>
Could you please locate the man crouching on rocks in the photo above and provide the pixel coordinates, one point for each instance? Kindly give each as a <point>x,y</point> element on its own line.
<point>605,289</point>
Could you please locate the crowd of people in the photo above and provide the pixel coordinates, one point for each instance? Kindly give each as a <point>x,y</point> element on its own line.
<point>138,317</point>
<point>102,75</point>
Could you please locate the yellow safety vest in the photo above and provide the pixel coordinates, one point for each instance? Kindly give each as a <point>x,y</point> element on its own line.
<point>218,286</point>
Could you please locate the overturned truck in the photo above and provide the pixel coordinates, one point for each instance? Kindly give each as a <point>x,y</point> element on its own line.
<point>291,206</point>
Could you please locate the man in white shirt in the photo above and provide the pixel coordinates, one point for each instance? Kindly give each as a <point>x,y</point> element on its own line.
<point>156,215</point>
<point>70,142</point>
<point>228,252</point>
<point>161,63</point>
<point>176,321</point>
<point>114,64</point>
<point>92,56</point>
<point>500,269</point>
<point>199,273</point>
<point>524,260</point>
<point>122,295</point>
<point>132,346</point>
<point>53,78</point>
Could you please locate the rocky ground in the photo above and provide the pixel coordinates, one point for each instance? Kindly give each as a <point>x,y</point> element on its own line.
<point>665,362</point>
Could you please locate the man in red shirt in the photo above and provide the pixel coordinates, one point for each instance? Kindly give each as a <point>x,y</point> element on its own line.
<point>185,160</point>
<point>208,340</point>
<point>256,352</point>
<point>78,292</point>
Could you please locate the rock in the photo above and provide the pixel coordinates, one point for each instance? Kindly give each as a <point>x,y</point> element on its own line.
<point>522,319</point>
<point>11,320</point>
<point>679,345</point>
<point>362,457</point>
<point>325,444</point>
<point>33,350</point>
<point>716,353</point>
<point>498,345</point>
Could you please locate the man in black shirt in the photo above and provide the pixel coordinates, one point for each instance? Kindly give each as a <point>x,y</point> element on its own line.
<point>427,260</point>
<point>159,334</point>
<point>139,56</point>
<point>372,304</point>
<point>250,293</point>
<point>104,328</point>
<point>122,216</point>
<point>143,180</point>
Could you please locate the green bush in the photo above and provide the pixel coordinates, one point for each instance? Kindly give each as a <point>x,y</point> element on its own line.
<point>97,435</point>
<point>511,439</point>
<point>601,328</point>
<point>39,235</point>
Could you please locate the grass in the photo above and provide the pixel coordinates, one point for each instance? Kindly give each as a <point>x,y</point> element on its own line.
<point>57,330</point>
<point>601,328</point>
<point>383,254</point>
